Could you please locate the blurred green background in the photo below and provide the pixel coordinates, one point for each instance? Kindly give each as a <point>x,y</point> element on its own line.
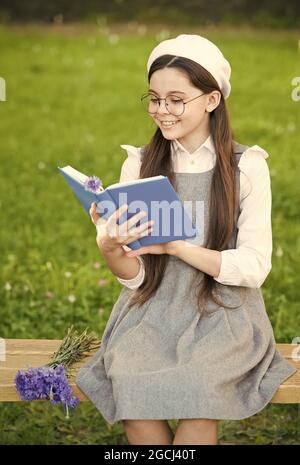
<point>72,97</point>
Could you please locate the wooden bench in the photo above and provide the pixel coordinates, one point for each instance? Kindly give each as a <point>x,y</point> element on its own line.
<point>25,353</point>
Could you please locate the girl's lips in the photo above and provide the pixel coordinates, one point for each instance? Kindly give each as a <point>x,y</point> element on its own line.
<point>169,126</point>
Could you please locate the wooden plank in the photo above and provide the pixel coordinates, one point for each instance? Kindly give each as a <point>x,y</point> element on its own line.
<point>289,391</point>
<point>25,353</point>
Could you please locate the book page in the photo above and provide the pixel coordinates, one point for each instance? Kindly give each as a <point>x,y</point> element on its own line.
<point>135,181</point>
<point>80,177</point>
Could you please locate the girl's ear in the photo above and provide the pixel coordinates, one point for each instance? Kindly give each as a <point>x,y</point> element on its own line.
<point>213,100</point>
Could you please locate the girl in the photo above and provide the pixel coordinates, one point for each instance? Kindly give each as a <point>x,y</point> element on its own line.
<point>189,337</point>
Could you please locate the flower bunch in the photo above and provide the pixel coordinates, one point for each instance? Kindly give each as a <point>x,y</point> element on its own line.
<point>46,383</point>
<point>51,381</point>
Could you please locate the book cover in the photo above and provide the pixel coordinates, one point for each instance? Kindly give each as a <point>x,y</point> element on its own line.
<point>155,195</point>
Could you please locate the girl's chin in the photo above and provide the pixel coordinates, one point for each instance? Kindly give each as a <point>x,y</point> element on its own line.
<point>170,136</point>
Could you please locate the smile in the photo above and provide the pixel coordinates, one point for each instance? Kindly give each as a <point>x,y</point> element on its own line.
<point>168,124</point>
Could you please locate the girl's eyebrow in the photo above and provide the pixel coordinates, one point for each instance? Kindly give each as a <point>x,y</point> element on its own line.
<point>171,92</point>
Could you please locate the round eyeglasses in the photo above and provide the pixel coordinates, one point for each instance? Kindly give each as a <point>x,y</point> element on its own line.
<point>174,105</point>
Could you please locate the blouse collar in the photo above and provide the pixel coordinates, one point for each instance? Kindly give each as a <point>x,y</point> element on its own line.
<point>207,144</point>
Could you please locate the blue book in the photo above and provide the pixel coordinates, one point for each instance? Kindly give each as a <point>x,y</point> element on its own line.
<point>155,195</point>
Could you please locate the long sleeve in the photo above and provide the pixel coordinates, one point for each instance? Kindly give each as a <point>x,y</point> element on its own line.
<point>250,263</point>
<point>129,171</point>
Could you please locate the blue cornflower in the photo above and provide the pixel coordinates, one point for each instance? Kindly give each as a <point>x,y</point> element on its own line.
<point>93,184</point>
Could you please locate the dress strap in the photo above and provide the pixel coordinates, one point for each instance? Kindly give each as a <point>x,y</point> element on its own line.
<point>239,149</point>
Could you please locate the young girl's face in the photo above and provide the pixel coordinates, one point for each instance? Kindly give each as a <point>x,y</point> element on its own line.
<point>195,119</point>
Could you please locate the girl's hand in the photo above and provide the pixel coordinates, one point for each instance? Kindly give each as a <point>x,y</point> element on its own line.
<point>157,249</point>
<point>111,236</point>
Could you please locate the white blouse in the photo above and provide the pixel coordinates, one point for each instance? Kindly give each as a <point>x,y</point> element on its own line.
<point>250,263</point>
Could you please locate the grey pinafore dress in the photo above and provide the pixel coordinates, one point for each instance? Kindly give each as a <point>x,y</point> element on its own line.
<point>164,361</point>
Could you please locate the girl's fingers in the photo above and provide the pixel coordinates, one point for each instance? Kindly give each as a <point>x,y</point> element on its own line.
<point>93,213</point>
<point>95,217</point>
<point>117,213</point>
<point>128,225</point>
<point>112,227</point>
<point>120,229</point>
<point>134,219</point>
<point>138,236</point>
<point>125,229</point>
<point>142,228</point>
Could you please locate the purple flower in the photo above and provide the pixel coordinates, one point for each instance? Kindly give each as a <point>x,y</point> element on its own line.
<point>46,383</point>
<point>93,184</point>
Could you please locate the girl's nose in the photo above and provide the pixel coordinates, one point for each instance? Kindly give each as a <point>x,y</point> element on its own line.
<point>162,108</point>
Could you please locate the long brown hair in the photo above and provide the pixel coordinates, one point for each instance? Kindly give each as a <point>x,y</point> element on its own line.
<point>156,160</point>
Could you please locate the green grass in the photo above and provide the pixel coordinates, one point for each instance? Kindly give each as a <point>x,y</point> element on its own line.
<point>73,98</point>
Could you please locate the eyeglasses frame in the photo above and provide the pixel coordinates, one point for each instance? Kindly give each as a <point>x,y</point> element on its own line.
<point>160,98</point>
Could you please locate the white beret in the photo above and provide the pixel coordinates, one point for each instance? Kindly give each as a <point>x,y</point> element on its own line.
<point>200,50</point>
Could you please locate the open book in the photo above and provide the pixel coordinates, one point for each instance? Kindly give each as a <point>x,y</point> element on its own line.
<point>155,195</point>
